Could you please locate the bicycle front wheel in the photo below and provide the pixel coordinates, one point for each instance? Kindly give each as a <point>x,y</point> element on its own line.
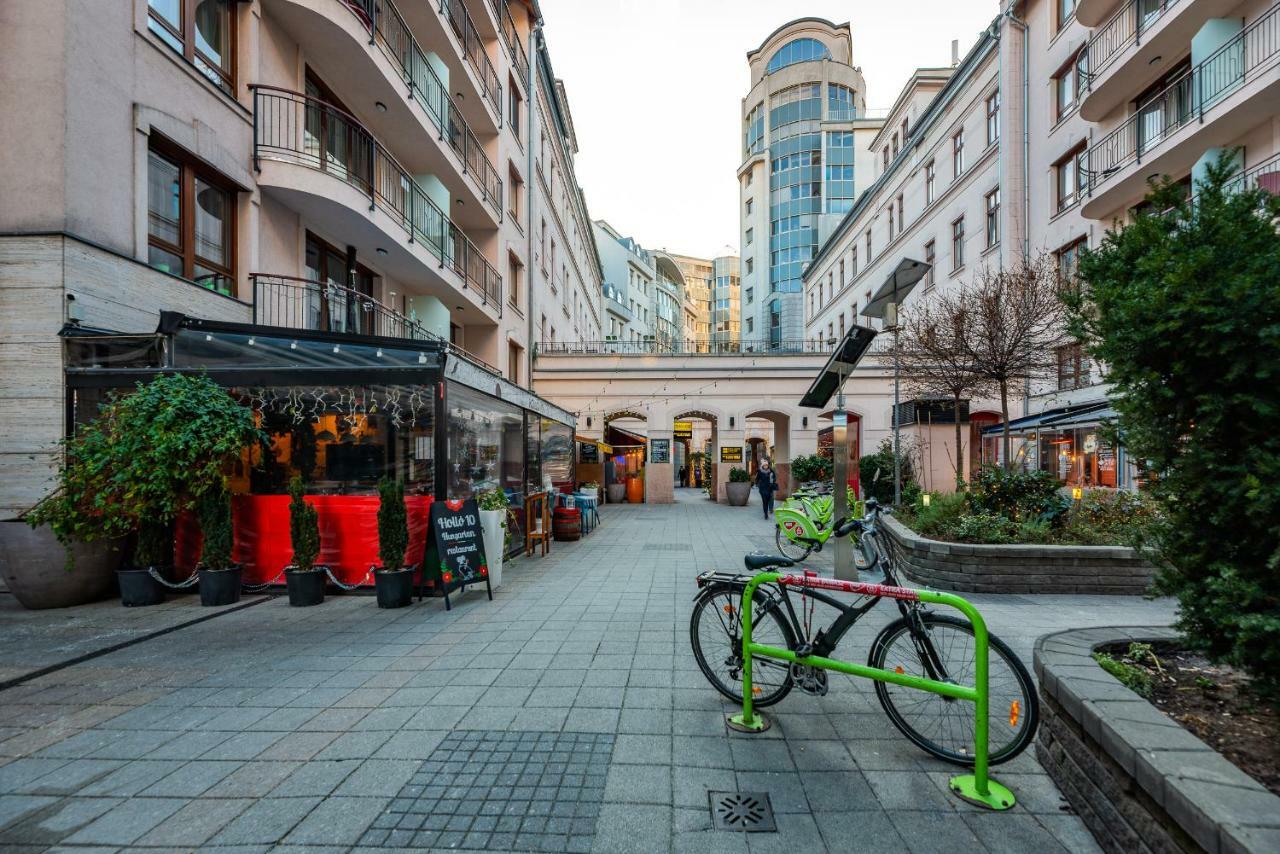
<point>715,631</point>
<point>787,547</point>
<point>943,726</point>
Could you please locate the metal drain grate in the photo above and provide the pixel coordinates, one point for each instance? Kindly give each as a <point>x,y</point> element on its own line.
<point>744,812</point>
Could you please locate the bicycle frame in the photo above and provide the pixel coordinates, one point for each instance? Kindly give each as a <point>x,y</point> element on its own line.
<point>977,787</point>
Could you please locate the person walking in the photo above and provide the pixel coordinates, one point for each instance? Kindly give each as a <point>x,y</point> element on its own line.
<point>767,483</point>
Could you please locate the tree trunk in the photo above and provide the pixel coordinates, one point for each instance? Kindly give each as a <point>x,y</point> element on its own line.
<point>955,401</point>
<point>1004,412</point>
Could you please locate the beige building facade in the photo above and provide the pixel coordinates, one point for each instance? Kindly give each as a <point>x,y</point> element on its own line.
<point>382,168</point>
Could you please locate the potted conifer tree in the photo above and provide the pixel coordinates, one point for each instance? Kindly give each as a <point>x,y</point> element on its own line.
<point>152,555</point>
<point>304,578</point>
<point>219,576</point>
<point>392,580</point>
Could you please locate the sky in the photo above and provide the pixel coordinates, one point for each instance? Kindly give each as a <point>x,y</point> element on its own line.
<point>656,88</point>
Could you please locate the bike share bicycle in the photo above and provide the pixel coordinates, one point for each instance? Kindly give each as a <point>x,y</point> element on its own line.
<point>919,643</point>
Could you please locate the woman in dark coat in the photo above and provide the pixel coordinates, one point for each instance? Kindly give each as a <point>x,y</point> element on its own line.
<point>767,483</point>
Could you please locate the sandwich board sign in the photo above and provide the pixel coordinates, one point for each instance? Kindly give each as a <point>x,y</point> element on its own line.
<point>455,555</point>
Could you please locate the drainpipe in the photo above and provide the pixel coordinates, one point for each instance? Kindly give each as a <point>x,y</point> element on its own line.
<point>531,183</point>
<point>1026,127</point>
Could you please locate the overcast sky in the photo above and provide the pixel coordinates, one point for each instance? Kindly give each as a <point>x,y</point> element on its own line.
<point>656,90</point>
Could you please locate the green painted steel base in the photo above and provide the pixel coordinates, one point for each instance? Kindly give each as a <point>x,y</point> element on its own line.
<point>997,798</point>
<point>758,723</point>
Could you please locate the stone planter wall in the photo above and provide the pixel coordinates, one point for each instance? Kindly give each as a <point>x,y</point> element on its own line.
<point>1137,778</point>
<point>969,568</point>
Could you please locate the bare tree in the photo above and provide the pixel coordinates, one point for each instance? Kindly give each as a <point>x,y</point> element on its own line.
<point>1014,320</point>
<point>935,360</point>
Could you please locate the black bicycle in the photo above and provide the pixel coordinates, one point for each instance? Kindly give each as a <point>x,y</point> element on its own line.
<point>919,642</point>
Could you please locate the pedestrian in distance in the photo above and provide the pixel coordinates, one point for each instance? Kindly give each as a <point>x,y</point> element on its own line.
<point>767,483</point>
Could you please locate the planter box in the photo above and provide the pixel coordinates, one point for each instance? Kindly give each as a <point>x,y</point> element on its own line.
<point>977,568</point>
<point>738,493</point>
<point>494,534</point>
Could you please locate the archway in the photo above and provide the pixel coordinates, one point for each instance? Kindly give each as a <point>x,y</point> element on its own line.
<point>768,434</point>
<point>982,449</point>
<point>694,461</point>
<point>625,431</point>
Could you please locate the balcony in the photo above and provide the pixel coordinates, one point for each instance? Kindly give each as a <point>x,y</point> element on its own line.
<point>1133,47</point>
<point>367,48</point>
<point>1231,91</point>
<point>515,44</point>
<point>323,163</point>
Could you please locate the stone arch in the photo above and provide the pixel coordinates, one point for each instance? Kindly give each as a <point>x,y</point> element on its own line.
<point>781,418</point>
<point>713,417</point>
<point>626,413</point>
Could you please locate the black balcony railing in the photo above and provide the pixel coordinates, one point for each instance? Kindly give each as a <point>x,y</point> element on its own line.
<point>295,128</point>
<point>512,36</point>
<point>1185,100</point>
<point>473,49</point>
<point>784,347</point>
<point>388,30</point>
<point>293,303</point>
<point>1126,27</point>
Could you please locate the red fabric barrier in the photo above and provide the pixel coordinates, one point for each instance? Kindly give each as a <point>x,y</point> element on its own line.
<point>348,535</point>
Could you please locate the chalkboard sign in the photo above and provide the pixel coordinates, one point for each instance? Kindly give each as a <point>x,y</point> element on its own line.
<point>731,454</point>
<point>588,453</point>
<point>659,450</point>
<point>455,552</point>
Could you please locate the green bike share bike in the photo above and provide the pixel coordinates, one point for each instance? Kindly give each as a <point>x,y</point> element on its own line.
<point>806,517</point>
<point>746,629</point>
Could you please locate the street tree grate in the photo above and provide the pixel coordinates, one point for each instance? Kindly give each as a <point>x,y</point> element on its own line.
<point>744,812</point>
<point>522,791</point>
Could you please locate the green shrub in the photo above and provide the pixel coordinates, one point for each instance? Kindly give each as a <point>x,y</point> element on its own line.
<point>983,528</point>
<point>153,545</point>
<point>1184,311</point>
<point>937,520</point>
<point>393,524</point>
<point>1104,517</point>
<point>1135,678</point>
<point>214,510</point>
<point>1016,495</point>
<point>805,468</point>
<point>304,528</point>
<point>738,475</point>
<point>875,473</point>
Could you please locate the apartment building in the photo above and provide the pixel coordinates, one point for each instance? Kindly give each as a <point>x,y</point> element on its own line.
<point>647,297</point>
<point>1040,140</point>
<point>699,279</point>
<point>806,157</point>
<point>341,167</point>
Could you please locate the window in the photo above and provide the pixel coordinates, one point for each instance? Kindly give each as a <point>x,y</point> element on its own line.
<point>1069,179</point>
<point>751,293</point>
<point>797,50</point>
<point>902,218</point>
<point>843,280</point>
<point>868,236</point>
<point>751,324</point>
<point>203,31</point>
<point>751,233</point>
<point>1069,257</point>
<point>751,265</point>
<point>190,220</point>
<point>775,323</point>
<point>842,324</point>
<point>334,307</point>
<point>831,287</point>
<point>1073,366</point>
<point>515,355</point>
<point>749,206</point>
<point>886,158</point>
<point>929,258</point>
<point>1066,11</point>
<point>904,133</point>
<point>515,191</point>
<point>839,167</point>
<point>841,103</point>
<point>514,103</point>
<point>930,182</point>
<point>542,243</point>
<point>812,305</point>
<point>993,217</point>
<point>957,154</point>
<point>895,145</point>
<point>890,212</point>
<point>853,261</point>
<point>957,244</point>
<point>515,275</point>
<point>993,117</point>
<point>1067,86</point>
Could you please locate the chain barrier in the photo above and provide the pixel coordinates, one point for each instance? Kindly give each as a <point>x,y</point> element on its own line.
<point>255,588</point>
<point>342,586</point>
<point>183,585</point>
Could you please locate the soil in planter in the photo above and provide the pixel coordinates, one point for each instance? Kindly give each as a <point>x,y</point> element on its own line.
<point>1215,702</point>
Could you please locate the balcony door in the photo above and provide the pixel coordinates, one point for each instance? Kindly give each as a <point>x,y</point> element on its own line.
<point>342,298</point>
<point>332,138</point>
<point>1166,106</point>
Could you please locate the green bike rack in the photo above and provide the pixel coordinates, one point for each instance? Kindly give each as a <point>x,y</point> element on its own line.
<point>977,787</point>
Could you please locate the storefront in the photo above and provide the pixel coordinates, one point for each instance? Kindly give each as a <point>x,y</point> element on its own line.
<point>1071,444</point>
<point>341,412</point>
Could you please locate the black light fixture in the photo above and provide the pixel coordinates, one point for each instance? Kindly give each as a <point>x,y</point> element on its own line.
<point>381,107</point>
<point>804,421</point>
<point>588,421</point>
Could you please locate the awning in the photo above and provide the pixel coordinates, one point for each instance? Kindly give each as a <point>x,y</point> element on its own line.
<point>896,286</point>
<point>605,447</point>
<point>847,354</point>
<point>1078,415</point>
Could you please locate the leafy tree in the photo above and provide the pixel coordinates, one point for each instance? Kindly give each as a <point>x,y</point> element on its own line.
<point>875,473</point>
<point>1183,307</point>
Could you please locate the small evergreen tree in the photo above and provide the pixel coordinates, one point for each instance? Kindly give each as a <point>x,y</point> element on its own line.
<point>1183,308</point>
<point>304,528</point>
<point>393,524</point>
<point>214,510</point>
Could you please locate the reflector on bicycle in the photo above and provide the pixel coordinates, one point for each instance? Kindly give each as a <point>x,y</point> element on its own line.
<point>1015,711</point>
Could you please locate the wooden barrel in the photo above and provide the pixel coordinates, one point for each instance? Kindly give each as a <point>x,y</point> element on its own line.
<point>566,523</point>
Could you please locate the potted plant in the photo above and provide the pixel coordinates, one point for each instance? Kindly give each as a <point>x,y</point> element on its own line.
<point>152,555</point>
<point>219,576</point>
<point>392,580</point>
<point>493,523</point>
<point>303,578</point>
<point>738,487</point>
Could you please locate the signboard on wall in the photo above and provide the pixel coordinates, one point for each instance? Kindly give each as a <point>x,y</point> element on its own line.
<point>683,430</point>
<point>455,550</point>
<point>731,454</point>
<point>659,450</point>
<point>588,453</point>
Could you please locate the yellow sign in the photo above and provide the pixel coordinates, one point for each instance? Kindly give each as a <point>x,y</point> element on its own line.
<point>684,430</point>
<point>731,454</point>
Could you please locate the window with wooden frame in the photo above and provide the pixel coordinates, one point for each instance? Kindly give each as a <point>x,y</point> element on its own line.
<point>515,277</point>
<point>1069,179</point>
<point>992,206</point>
<point>1068,258</point>
<point>1073,366</point>
<point>340,305</point>
<point>929,256</point>
<point>203,32</point>
<point>1067,86</point>
<point>957,244</point>
<point>190,219</point>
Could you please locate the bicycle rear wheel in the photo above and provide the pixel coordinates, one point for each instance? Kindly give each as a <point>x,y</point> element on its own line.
<point>942,726</point>
<point>715,632</point>
<point>786,546</point>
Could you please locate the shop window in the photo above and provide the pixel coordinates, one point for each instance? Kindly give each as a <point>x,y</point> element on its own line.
<point>190,219</point>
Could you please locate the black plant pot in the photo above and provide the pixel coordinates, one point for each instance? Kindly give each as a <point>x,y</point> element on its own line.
<point>306,587</point>
<point>220,586</point>
<point>138,588</point>
<point>395,587</point>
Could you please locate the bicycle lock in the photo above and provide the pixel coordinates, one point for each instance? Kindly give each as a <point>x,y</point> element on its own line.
<point>977,787</point>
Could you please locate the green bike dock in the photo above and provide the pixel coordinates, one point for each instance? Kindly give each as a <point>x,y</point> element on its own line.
<point>977,787</point>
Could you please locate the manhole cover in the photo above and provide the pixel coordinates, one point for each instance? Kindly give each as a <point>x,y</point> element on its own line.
<point>745,812</point>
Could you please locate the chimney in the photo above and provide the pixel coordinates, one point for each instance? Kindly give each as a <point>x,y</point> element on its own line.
<point>955,52</point>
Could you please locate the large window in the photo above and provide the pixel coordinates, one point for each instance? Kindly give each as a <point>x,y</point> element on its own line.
<point>930,259</point>
<point>797,50</point>
<point>1073,367</point>
<point>839,172</point>
<point>1068,258</point>
<point>337,306</point>
<point>841,103</point>
<point>993,217</point>
<point>753,132</point>
<point>957,154</point>
<point>1069,179</point>
<point>1065,12</point>
<point>930,182</point>
<point>190,220</point>
<point>486,443</point>
<point>957,244</point>
<point>993,117</point>
<point>775,323</point>
<point>1067,86</point>
<point>203,31</point>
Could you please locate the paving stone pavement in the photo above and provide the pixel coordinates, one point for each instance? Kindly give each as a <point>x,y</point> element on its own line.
<point>318,729</point>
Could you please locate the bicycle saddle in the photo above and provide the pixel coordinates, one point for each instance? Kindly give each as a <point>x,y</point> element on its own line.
<point>759,561</point>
